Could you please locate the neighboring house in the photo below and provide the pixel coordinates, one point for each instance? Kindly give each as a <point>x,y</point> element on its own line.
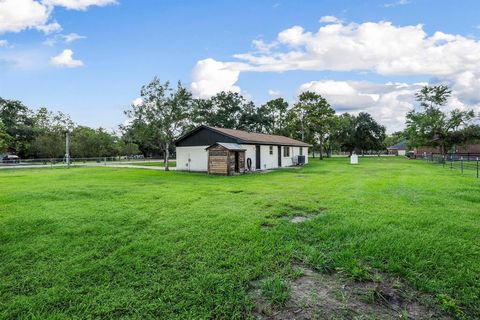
<point>229,151</point>
<point>399,149</point>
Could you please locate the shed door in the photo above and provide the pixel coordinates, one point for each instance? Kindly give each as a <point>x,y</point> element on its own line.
<point>279,156</point>
<point>257,157</point>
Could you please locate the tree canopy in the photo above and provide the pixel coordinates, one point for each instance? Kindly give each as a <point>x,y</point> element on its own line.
<point>431,126</point>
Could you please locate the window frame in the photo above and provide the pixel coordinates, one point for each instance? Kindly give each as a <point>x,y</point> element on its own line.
<point>270,150</point>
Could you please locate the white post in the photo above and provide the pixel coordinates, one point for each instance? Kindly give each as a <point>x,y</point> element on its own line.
<point>67,147</point>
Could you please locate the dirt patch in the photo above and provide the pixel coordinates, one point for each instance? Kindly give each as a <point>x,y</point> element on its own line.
<point>318,296</point>
<point>298,219</point>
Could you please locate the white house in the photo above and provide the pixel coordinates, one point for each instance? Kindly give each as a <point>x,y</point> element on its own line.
<point>258,151</point>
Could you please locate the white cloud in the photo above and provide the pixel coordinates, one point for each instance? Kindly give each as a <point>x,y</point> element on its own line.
<point>67,38</point>
<point>50,28</point>
<point>378,47</point>
<point>19,15</point>
<point>274,93</point>
<point>261,46</point>
<point>396,3</point>
<point>78,4</point>
<point>329,19</point>
<point>71,37</point>
<point>65,59</point>
<point>136,102</point>
<point>210,77</point>
<point>3,43</point>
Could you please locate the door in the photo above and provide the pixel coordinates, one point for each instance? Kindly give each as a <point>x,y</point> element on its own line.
<point>279,151</point>
<point>237,162</point>
<point>257,157</point>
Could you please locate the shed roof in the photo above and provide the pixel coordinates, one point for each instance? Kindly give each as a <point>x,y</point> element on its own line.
<point>228,146</point>
<point>245,137</point>
<point>399,146</point>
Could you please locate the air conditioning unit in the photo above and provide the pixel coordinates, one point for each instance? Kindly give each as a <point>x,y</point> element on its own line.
<point>301,160</point>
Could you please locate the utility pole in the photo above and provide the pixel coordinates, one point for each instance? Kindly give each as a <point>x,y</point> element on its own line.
<point>67,148</point>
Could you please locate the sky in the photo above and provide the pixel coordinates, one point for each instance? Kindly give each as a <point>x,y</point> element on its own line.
<point>89,58</point>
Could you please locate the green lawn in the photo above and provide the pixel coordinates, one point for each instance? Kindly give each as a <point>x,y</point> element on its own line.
<point>153,163</point>
<point>115,242</point>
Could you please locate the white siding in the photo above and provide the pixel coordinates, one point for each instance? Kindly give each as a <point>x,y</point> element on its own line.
<point>402,152</point>
<point>249,153</point>
<point>198,157</point>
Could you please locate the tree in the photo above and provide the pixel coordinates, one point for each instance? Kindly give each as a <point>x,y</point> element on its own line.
<point>50,129</point>
<point>394,138</point>
<point>225,109</point>
<point>316,117</point>
<point>273,116</point>
<point>5,138</point>
<point>369,134</point>
<point>164,111</point>
<point>19,125</point>
<point>431,126</point>
<point>343,133</point>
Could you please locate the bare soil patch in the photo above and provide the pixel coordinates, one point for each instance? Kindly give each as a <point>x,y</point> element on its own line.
<point>328,296</point>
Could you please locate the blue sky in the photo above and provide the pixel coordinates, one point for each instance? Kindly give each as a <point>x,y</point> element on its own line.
<point>125,43</point>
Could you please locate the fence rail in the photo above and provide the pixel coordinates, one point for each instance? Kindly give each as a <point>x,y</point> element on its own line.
<point>466,163</point>
<point>59,162</point>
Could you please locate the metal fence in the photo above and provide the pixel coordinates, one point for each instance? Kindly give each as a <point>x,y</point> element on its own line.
<point>62,162</point>
<point>466,163</point>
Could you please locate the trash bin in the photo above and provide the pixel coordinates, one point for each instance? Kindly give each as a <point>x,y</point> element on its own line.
<point>353,159</point>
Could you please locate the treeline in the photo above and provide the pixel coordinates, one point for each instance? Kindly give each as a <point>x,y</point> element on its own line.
<point>166,112</point>
<point>41,134</point>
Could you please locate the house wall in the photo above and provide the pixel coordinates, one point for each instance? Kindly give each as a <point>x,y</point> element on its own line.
<point>199,157</point>
<point>402,152</point>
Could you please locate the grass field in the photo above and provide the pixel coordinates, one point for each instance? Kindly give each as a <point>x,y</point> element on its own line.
<point>112,243</point>
<point>153,163</point>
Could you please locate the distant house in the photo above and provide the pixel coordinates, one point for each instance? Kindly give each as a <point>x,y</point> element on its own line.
<point>229,151</point>
<point>399,149</point>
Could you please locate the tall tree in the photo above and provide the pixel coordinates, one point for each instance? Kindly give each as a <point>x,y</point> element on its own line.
<point>5,138</point>
<point>273,115</point>
<point>225,109</point>
<point>316,116</point>
<point>431,126</point>
<point>369,134</point>
<point>164,110</point>
<point>19,124</point>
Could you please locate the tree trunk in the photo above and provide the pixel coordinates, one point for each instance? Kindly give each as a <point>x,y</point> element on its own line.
<point>321,149</point>
<point>167,155</point>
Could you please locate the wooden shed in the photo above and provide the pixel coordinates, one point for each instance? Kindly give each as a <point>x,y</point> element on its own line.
<point>226,158</point>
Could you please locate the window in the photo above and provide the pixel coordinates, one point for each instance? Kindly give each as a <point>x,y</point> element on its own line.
<point>301,151</point>
<point>271,149</point>
<point>286,151</point>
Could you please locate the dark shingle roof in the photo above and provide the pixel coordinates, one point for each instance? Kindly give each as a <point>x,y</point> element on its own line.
<point>399,146</point>
<point>251,137</point>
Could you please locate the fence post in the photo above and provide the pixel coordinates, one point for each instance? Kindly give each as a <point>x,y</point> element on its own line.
<point>477,167</point>
<point>461,160</point>
<point>443,162</point>
<point>451,162</point>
